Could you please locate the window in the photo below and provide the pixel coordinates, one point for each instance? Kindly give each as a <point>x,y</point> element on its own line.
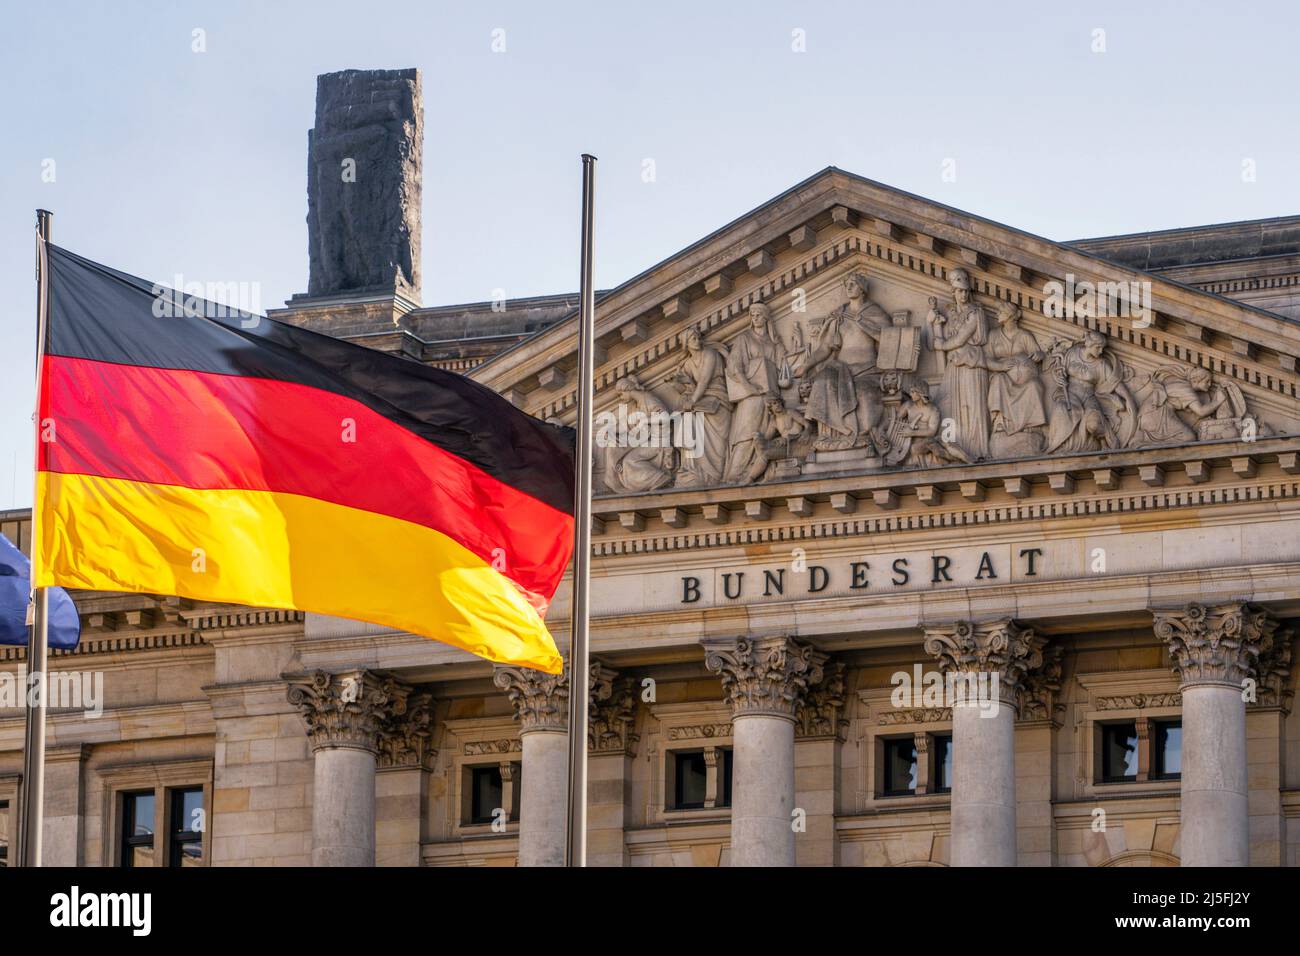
<point>187,824</point>
<point>700,779</point>
<point>488,792</point>
<point>137,829</point>
<point>691,782</point>
<point>942,776</point>
<point>900,767</point>
<point>1167,749</point>
<point>4,833</point>
<point>1119,752</point>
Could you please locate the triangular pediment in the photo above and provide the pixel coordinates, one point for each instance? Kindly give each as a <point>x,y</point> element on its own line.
<point>848,328</point>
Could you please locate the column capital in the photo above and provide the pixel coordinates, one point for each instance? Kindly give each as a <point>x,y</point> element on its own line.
<point>348,709</point>
<point>541,701</point>
<point>407,739</point>
<point>1216,643</point>
<point>612,719</point>
<point>818,714</point>
<point>1004,647</point>
<point>1275,686</point>
<point>767,676</point>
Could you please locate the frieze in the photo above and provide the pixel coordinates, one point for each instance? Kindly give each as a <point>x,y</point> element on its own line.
<point>699,731</point>
<point>919,715</point>
<point>482,748</point>
<point>1138,701</point>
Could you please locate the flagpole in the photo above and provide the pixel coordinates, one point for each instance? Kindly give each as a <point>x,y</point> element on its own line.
<point>575,849</point>
<point>31,801</point>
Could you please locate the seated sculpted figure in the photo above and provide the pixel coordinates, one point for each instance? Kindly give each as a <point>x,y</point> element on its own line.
<point>1016,407</point>
<point>650,461</point>
<point>1091,405</point>
<point>915,437</point>
<point>842,400</point>
<point>1176,390</point>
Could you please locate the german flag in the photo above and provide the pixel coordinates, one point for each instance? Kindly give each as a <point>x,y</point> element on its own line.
<point>190,450</point>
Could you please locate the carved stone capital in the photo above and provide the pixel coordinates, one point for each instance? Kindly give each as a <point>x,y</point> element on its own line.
<point>612,718</point>
<point>1005,648</point>
<point>1038,693</point>
<point>407,739</point>
<point>1215,644</point>
<point>818,713</point>
<point>1276,688</point>
<point>541,701</point>
<point>348,709</point>
<point>764,675</point>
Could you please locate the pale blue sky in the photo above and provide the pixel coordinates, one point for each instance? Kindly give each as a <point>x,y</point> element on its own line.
<point>172,161</point>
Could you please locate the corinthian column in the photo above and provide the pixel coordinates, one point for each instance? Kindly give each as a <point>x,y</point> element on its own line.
<point>1215,651</point>
<point>541,703</point>
<point>984,667</point>
<point>345,715</point>
<point>764,680</point>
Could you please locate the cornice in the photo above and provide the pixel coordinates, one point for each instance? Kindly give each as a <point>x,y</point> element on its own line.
<point>978,495</point>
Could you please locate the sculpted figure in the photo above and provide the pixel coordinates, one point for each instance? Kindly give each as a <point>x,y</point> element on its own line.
<point>648,464</point>
<point>841,398</point>
<point>1185,404</point>
<point>702,381</point>
<point>959,336</point>
<point>1091,405</point>
<point>1016,409</point>
<point>915,438</point>
<point>751,376</point>
<point>784,427</point>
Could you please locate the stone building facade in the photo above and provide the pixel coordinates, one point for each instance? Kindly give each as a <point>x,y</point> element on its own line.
<point>940,558</point>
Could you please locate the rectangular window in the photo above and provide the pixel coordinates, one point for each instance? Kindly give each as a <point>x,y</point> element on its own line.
<point>724,785</point>
<point>1167,749</point>
<point>942,763</point>
<point>690,780</point>
<point>187,826</point>
<point>1119,752</point>
<point>485,794</point>
<point>137,829</point>
<point>4,833</point>
<point>900,767</point>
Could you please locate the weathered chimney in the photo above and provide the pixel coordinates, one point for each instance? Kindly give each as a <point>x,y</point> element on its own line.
<point>364,162</point>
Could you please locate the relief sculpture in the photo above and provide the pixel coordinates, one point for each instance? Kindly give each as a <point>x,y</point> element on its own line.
<point>862,387</point>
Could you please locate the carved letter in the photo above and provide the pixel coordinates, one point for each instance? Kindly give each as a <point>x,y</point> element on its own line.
<point>690,590</point>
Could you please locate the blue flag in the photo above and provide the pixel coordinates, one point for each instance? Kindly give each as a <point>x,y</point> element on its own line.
<point>15,590</point>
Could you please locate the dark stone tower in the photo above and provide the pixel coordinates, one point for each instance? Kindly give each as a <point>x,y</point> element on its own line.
<point>363,184</point>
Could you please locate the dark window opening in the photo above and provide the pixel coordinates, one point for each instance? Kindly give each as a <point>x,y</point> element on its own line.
<point>900,767</point>
<point>690,783</point>
<point>1167,750</point>
<point>942,763</point>
<point>187,825</point>
<point>486,791</point>
<point>1119,752</point>
<point>137,829</point>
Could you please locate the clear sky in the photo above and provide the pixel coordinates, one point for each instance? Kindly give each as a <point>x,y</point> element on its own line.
<point>168,160</point>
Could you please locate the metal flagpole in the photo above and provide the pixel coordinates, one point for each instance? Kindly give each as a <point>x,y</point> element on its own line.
<point>575,849</point>
<point>31,802</point>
